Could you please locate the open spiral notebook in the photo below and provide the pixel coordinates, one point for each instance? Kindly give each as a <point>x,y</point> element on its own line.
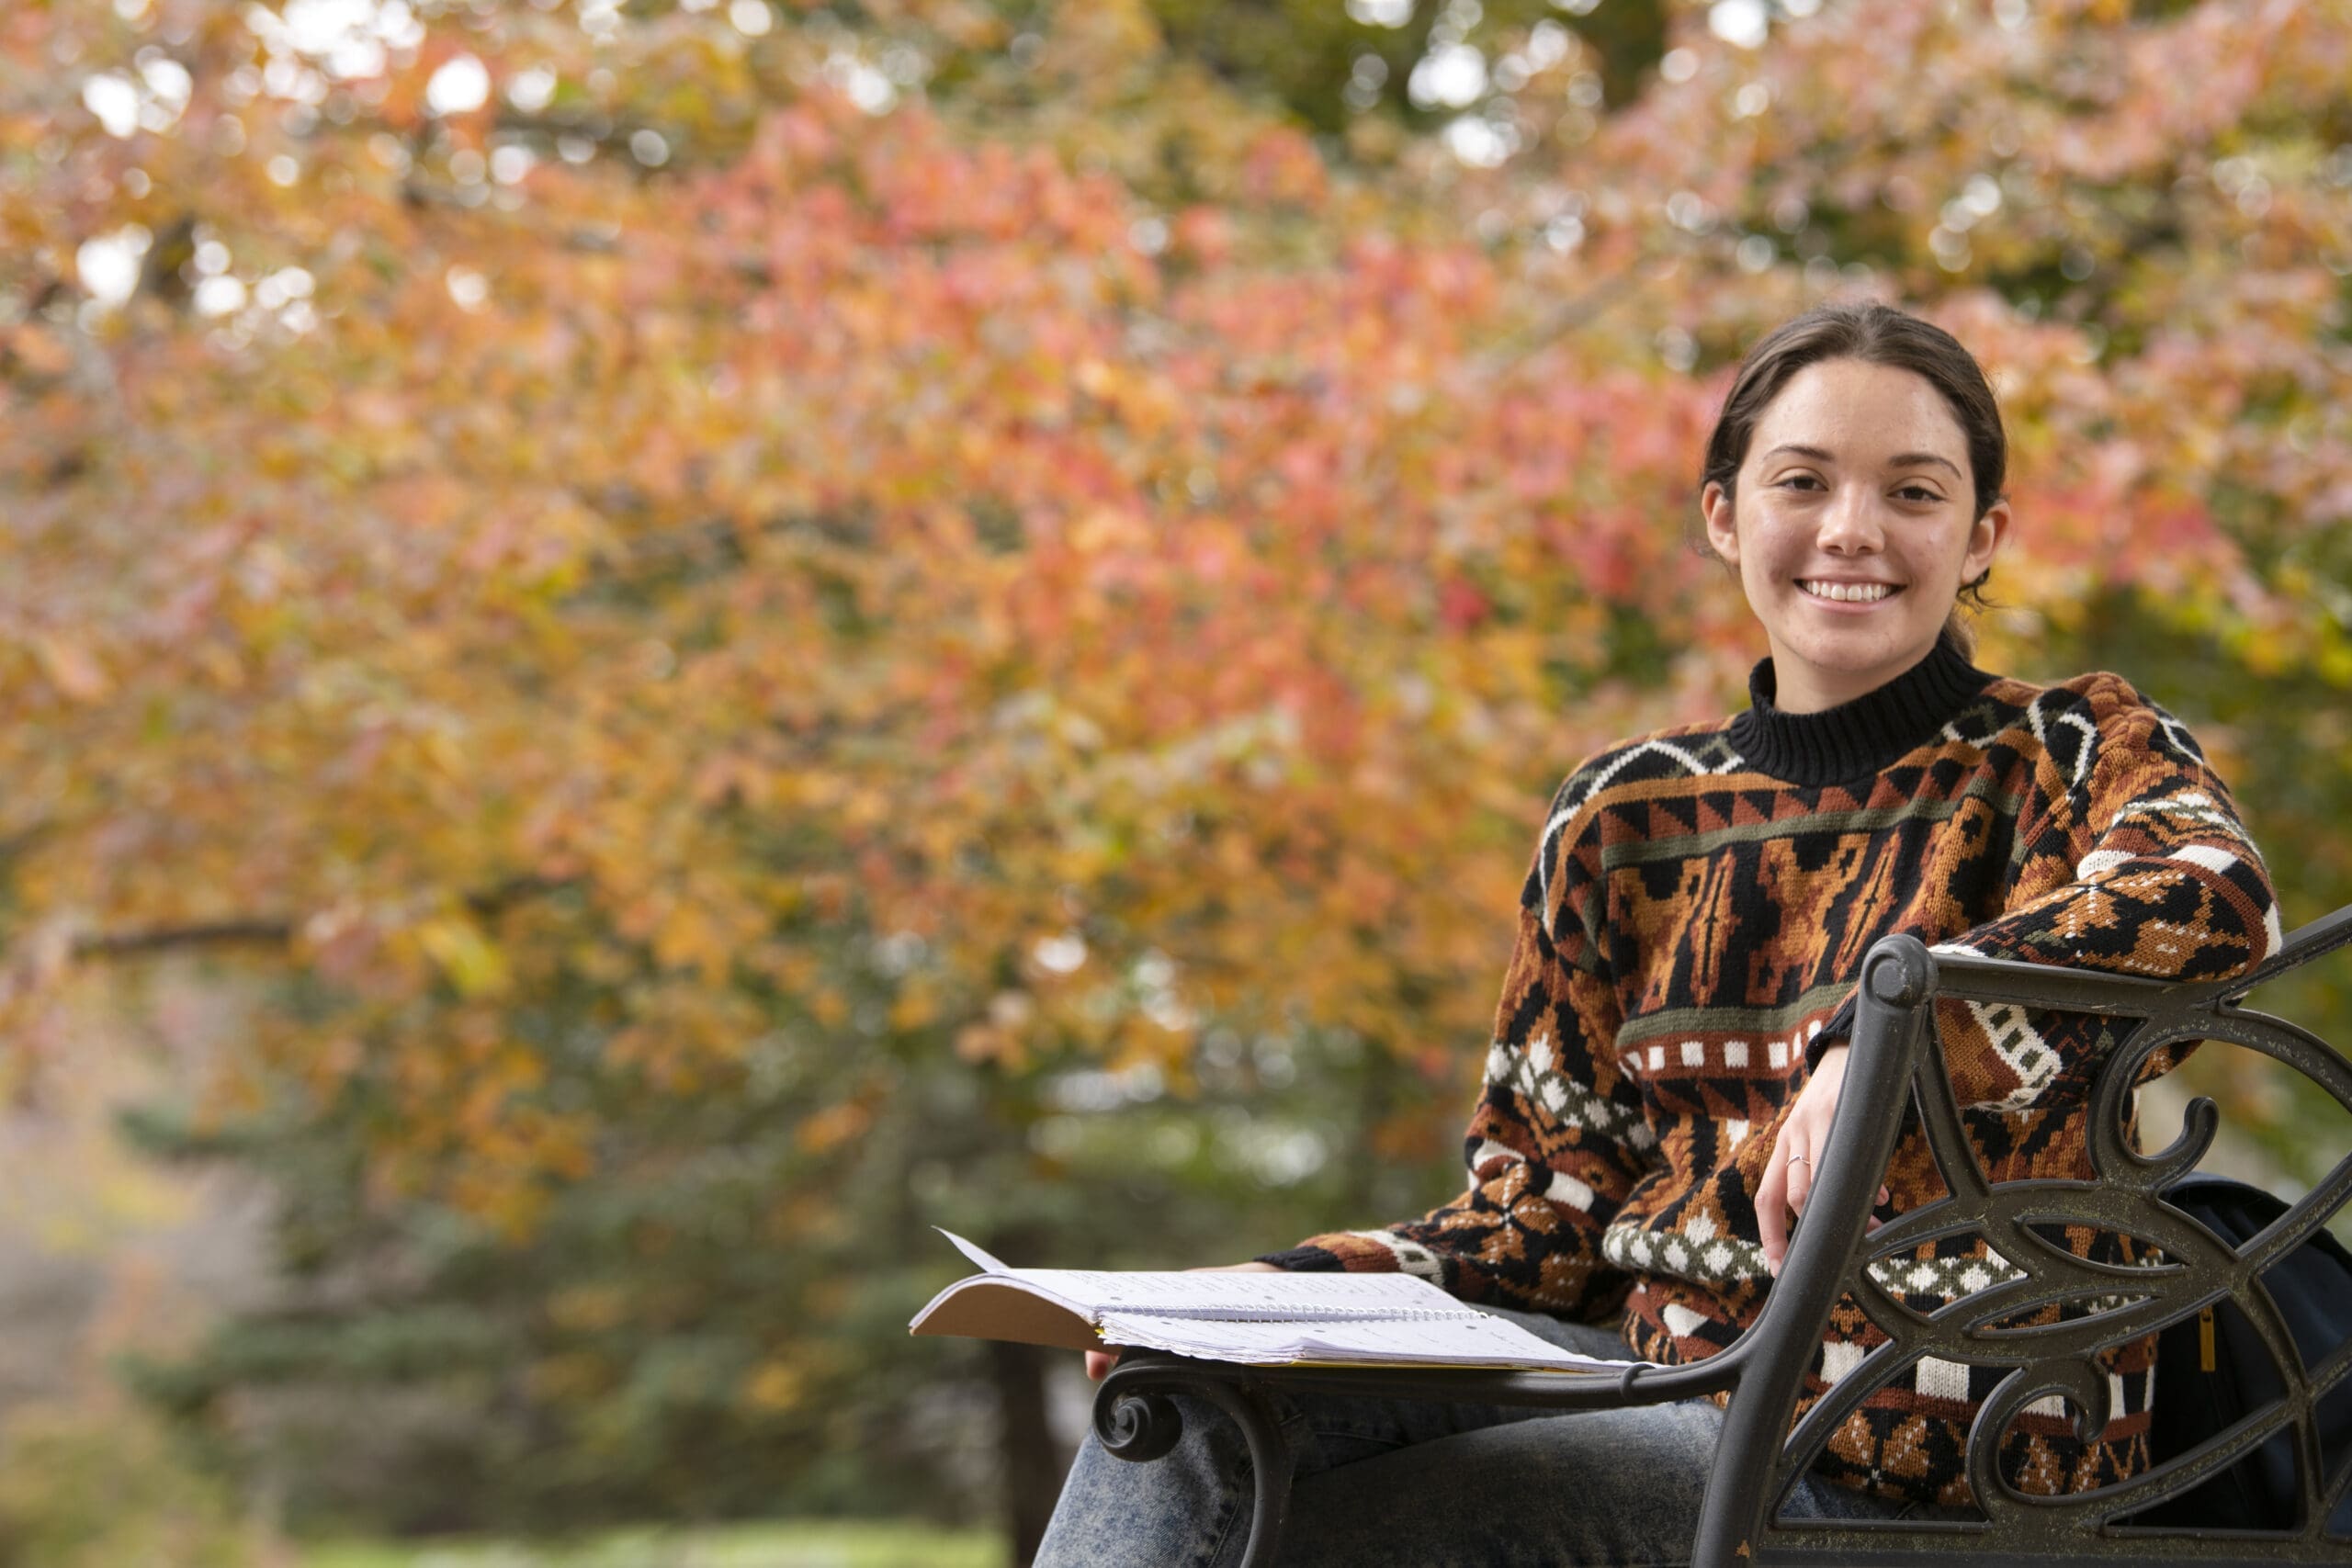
<point>1258,1319</point>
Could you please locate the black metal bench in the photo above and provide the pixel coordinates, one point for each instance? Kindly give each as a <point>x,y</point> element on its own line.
<point>1896,1054</point>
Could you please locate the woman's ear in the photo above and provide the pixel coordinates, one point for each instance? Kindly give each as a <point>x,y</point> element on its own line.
<point>1986,538</point>
<point>1723,532</point>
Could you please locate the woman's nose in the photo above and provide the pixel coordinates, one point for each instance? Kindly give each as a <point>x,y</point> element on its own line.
<point>1849,524</point>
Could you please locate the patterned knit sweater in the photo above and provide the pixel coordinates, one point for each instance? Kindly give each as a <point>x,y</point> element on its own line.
<point>1690,935</point>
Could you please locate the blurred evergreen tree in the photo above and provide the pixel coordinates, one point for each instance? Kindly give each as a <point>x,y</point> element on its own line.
<point>709,1322</point>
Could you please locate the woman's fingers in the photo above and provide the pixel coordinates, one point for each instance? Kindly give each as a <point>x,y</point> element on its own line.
<point>1772,1209</point>
<point>1799,1167</point>
<point>1100,1362</point>
<point>1787,1184</point>
<point>1789,1170</point>
<point>1788,1181</point>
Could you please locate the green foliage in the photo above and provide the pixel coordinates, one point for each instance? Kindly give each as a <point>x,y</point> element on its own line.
<point>743,1546</point>
<point>1327,68</point>
<point>100,1485</point>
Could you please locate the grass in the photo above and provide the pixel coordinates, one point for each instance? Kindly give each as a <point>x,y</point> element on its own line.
<point>812,1545</point>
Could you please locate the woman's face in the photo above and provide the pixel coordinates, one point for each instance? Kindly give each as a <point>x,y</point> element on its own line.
<point>1854,527</point>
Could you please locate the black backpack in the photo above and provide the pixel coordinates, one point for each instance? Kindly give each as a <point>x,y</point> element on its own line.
<point>2211,1369</point>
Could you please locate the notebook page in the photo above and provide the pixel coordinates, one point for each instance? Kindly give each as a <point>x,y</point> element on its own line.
<point>973,1251</point>
<point>1475,1340</point>
<point>1212,1294</point>
<point>1253,1344</point>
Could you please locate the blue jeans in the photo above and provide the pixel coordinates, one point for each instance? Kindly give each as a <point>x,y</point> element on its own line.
<point>1422,1484</point>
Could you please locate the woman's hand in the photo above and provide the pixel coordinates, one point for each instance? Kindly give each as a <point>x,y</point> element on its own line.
<point>1098,1362</point>
<point>1794,1163</point>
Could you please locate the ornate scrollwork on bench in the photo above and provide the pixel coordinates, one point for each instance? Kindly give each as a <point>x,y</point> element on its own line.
<point>2186,1270</point>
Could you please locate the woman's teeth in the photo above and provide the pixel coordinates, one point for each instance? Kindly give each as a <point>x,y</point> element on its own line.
<point>1849,593</point>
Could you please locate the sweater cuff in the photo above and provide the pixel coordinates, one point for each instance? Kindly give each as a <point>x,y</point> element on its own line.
<point>1307,1259</point>
<point>1837,1030</point>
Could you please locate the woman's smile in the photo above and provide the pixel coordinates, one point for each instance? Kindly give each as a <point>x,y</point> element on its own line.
<point>1842,593</point>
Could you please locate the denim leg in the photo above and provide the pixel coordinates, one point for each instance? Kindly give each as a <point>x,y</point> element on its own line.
<point>1190,1509</point>
<point>1621,1488</point>
<point>1428,1485</point>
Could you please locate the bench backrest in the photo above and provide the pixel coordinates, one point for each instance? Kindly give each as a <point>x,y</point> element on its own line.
<point>1896,1066</point>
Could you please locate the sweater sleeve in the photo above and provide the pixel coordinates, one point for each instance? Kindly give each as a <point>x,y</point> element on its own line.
<point>1558,1136</point>
<point>2137,864</point>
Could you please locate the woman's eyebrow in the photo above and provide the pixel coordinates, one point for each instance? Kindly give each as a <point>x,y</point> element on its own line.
<point>1900,460</point>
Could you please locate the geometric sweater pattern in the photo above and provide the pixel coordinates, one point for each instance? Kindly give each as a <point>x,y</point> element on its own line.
<point>1690,936</point>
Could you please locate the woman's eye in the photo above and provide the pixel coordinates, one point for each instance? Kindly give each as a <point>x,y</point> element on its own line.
<point>1918,493</point>
<point>1806,481</point>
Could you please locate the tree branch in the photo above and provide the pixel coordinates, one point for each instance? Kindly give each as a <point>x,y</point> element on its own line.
<point>209,933</point>
<point>276,931</point>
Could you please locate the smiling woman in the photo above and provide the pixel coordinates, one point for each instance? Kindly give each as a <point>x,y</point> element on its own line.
<point>1669,1049</point>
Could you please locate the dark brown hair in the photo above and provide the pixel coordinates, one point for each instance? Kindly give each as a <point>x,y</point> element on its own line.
<point>1876,334</point>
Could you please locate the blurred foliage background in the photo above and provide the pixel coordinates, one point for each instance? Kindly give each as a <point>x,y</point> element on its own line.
<point>649,644</point>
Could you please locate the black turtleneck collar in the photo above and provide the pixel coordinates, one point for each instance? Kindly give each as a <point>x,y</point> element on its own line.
<point>1857,738</point>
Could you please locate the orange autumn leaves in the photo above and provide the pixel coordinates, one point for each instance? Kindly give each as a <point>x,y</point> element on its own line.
<point>913,578</point>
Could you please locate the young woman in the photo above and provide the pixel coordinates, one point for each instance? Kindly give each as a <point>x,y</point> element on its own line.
<point>1670,1044</point>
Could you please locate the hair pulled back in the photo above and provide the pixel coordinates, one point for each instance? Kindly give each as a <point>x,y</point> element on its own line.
<point>1875,334</point>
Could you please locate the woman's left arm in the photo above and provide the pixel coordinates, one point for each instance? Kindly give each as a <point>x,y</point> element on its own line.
<point>2139,867</point>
